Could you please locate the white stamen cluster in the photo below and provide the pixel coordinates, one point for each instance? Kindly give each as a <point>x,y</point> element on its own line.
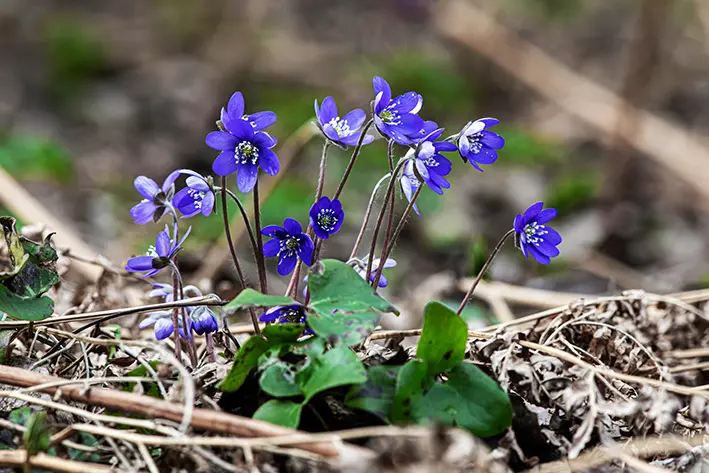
<point>152,251</point>
<point>197,197</point>
<point>534,233</point>
<point>245,152</point>
<point>327,219</point>
<point>341,127</point>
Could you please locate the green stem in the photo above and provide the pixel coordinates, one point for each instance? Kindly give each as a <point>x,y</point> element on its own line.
<point>367,215</point>
<point>484,270</point>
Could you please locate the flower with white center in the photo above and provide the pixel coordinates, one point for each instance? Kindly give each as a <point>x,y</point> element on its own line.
<point>326,217</point>
<point>478,145</point>
<point>534,237</point>
<point>341,131</point>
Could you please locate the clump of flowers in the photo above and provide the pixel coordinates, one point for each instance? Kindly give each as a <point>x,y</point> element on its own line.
<point>245,148</point>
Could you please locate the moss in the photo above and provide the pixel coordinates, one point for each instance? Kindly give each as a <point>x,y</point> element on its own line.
<point>26,156</point>
<point>571,192</point>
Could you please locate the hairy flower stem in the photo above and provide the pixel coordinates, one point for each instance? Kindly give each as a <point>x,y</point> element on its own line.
<point>235,259</point>
<point>355,153</point>
<point>318,246</point>
<point>390,220</point>
<point>367,215</point>
<point>386,248</point>
<point>247,224</point>
<point>484,270</point>
<point>210,347</point>
<point>176,316</point>
<point>187,327</point>
<point>260,261</point>
<point>389,195</point>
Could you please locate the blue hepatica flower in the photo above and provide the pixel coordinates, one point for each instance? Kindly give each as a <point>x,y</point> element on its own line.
<point>285,314</point>
<point>430,164</point>
<point>326,217</point>
<point>156,200</point>
<point>410,183</point>
<point>534,237</point>
<point>159,256</point>
<point>289,243</point>
<point>197,197</point>
<point>341,131</point>
<point>163,291</point>
<point>235,112</point>
<point>162,324</point>
<point>361,268</point>
<point>396,118</point>
<point>413,139</point>
<point>243,150</point>
<point>477,145</point>
<point>203,320</point>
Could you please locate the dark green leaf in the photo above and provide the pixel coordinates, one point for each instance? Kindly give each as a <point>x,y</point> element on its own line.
<point>443,340</point>
<point>340,328</point>
<point>337,367</point>
<point>20,416</point>
<point>36,437</point>
<point>18,257</point>
<point>89,440</point>
<point>250,298</point>
<point>279,333</point>
<point>244,361</point>
<point>335,285</point>
<point>25,309</point>
<point>278,380</point>
<point>377,394</point>
<point>470,399</point>
<point>411,384</point>
<point>275,411</point>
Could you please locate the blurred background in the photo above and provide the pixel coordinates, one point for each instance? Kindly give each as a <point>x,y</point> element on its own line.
<point>603,105</point>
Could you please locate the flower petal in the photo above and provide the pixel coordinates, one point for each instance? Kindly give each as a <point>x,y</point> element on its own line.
<point>225,163</point>
<point>247,177</point>
<point>235,108</point>
<point>146,187</point>
<point>552,236</point>
<point>271,248</point>
<point>492,139</point>
<point>208,204</point>
<point>197,183</point>
<point>139,264</point>
<point>271,314</point>
<point>488,121</point>
<point>221,140</point>
<point>381,87</point>
<point>268,161</point>
<point>143,212</point>
<point>541,259</point>
<point>547,249</point>
<point>305,250</point>
<point>292,227</point>
<point>163,328</point>
<point>286,264</point>
<point>262,120</point>
<point>274,231</point>
<point>519,225</point>
<point>162,244</point>
<point>532,212</point>
<point>328,110</point>
<point>545,216</point>
<point>410,102</point>
<point>409,123</point>
<point>355,119</point>
<point>484,156</point>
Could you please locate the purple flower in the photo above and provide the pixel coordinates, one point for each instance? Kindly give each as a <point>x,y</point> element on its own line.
<point>156,200</point>
<point>164,291</point>
<point>410,183</point>
<point>534,237</point>
<point>203,321</point>
<point>235,112</point>
<point>162,324</point>
<point>383,282</point>
<point>326,217</point>
<point>341,131</point>
<point>243,150</point>
<point>159,256</point>
<point>289,243</point>
<point>430,164</point>
<point>285,314</point>
<point>396,118</point>
<point>477,145</point>
<point>429,127</point>
<point>197,197</point>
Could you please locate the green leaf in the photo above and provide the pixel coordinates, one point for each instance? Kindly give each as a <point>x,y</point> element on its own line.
<point>280,333</point>
<point>411,384</point>
<point>335,285</point>
<point>443,340</point>
<point>18,257</point>
<point>275,411</point>
<point>345,329</point>
<point>278,380</point>
<point>470,399</point>
<point>20,416</point>
<point>250,298</point>
<point>244,361</point>
<point>338,367</point>
<point>89,440</point>
<point>377,394</point>
<point>36,437</point>
<point>25,309</point>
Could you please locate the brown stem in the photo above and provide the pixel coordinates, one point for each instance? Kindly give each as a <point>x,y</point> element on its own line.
<point>260,261</point>
<point>176,315</point>
<point>234,258</point>
<point>484,270</point>
<point>186,327</point>
<point>367,215</point>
